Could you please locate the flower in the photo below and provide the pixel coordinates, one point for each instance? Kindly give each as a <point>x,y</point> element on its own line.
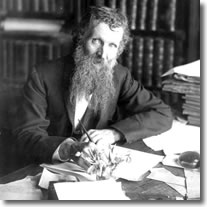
<point>104,161</point>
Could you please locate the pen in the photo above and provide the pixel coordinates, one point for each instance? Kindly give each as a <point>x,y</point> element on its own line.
<point>84,129</point>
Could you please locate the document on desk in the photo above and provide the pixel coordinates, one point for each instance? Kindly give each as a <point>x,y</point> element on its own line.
<point>141,162</point>
<point>133,170</point>
<point>68,168</point>
<point>178,139</point>
<point>176,182</point>
<point>86,190</point>
<point>193,183</point>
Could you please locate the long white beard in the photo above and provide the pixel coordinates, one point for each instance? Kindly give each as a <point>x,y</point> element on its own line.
<point>92,76</point>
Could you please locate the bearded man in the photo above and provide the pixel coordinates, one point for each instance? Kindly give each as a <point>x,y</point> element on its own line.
<point>91,87</point>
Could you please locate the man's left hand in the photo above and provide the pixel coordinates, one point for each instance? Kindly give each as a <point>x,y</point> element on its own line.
<point>102,137</point>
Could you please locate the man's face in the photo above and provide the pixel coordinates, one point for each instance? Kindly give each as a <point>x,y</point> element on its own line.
<point>103,42</point>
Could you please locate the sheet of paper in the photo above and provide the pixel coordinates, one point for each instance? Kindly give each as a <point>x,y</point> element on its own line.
<point>190,69</point>
<point>193,183</point>
<point>90,190</point>
<point>24,189</point>
<point>68,168</point>
<point>166,176</point>
<point>172,160</point>
<point>140,163</point>
<point>48,176</point>
<point>178,139</point>
<point>180,189</point>
<point>176,182</point>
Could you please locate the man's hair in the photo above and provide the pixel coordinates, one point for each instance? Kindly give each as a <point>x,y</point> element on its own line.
<point>112,17</point>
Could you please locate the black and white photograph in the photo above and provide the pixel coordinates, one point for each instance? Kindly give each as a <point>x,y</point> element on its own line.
<point>100,100</point>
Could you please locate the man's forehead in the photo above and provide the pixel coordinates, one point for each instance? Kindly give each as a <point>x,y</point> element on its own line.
<point>103,29</point>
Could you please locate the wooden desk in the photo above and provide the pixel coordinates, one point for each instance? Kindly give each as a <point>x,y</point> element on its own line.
<point>146,189</point>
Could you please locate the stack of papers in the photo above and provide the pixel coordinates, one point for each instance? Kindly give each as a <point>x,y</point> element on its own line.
<point>185,80</point>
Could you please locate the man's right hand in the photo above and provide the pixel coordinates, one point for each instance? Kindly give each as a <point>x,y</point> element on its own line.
<point>69,148</point>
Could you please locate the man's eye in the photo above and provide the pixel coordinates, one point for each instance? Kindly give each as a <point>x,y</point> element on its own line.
<point>113,45</point>
<point>96,41</point>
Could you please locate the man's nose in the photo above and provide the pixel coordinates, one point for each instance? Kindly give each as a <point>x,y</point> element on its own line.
<point>101,52</point>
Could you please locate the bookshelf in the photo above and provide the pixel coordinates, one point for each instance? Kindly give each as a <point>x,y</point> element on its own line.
<point>164,34</point>
<point>30,33</point>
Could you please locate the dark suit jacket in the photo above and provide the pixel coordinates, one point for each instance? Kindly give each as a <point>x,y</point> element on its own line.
<point>45,117</point>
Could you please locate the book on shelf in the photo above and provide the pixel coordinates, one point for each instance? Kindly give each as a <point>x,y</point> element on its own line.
<point>191,113</point>
<point>99,2</point>
<point>137,70</point>
<point>3,6</point>
<point>158,62</point>
<point>167,15</point>
<point>182,87</point>
<point>192,97</point>
<point>132,13</point>
<point>36,5</point>
<point>45,6</point>
<point>122,6</point>
<point>19,68</point>
<point>27,6</point>
<point>4,58</point>
<point>148,61</point>
<point>19,7</point>
<point>141,14</point>
<point>1,58</point>
<point>193,108</point>
<point>10,5</point>
<point>169,48</point>
<point>50,51</point>
<point>112,4</point>
<point>193,120</point>
<point>56,7</point>
<point>26,61</point>
<point>60,7</point>
<point>19,56</point>
<point>33,54</point>
<point>77,7</point>
<point>172,15</point>
<point>194,102</point>
<point>10,57</point>
<point>30,54</point>
<point>53,4</point>
<point>152,13</point>
<point>44,52</point>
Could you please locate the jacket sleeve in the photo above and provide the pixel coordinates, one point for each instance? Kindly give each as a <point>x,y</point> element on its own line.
<point>31,123</point>
<point>145,114</point>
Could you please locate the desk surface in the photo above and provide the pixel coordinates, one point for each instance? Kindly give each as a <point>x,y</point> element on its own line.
<point>140,190</point>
